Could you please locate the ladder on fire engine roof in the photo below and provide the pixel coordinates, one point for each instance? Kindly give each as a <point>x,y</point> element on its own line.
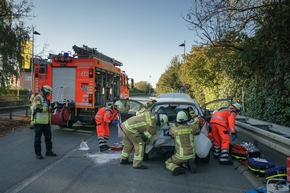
<point>58,93</point>
<point>86,52</point>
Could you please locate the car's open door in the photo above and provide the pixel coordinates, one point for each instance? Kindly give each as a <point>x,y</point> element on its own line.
<point>210,107</point>
<point>130,108</point>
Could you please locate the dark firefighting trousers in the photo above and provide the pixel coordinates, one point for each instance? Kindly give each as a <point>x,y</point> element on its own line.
<point>40,129</point>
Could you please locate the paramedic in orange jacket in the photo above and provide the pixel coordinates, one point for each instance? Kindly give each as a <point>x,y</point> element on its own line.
<point>223,125</point>
<point>103,118</point>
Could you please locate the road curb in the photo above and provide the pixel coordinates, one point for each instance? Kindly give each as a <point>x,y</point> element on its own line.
<point>257,182</point>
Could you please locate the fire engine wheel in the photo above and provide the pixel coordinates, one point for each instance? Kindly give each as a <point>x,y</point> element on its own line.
<point>65,114</point>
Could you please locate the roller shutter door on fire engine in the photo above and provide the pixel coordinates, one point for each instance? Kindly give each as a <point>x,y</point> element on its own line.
<point>63,82</point>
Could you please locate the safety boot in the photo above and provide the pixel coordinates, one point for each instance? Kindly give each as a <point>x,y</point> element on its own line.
<point>125,161</point>
<point>104,148</point>
<point>50,153</point>
<point>39,156</point>
<point>228,162</point>
<point>142,167</point>
<point>191,165</point>
<point>177,171</point>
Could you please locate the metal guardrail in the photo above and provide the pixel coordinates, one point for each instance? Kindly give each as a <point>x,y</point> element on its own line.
<point>11,109</point>
<point>274,136</point>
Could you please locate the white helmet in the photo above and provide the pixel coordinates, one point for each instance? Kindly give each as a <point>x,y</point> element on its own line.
<point>237,106</point>
<point>163,118</point>
<point>46,89</point>
<point>119,105</point>
<point>181,117</point>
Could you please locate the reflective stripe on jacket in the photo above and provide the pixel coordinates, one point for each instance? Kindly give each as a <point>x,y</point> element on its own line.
<point>105,115</point>
<point>143,123</point>
<point>184,140</point>
<point>225,118</point>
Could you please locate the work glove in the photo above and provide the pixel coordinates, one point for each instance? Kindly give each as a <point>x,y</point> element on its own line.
<point>144,137</point>
<point>233,136</point>
<point>116,122</point>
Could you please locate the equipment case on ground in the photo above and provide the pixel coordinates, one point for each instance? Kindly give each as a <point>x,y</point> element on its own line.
<point>259,165</point>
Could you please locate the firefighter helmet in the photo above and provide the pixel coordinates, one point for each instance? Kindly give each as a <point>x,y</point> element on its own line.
<point>118,105</point>
<point>163,119</point>
<point>181,117</point>
<point>237,106</point>
<point>46,89</point>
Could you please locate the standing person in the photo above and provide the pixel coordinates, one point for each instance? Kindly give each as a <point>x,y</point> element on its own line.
<point>138,131</point>
<point>41,119</point>
<point>183,135</point>
<point>103,118</point>
<point>223,125</point>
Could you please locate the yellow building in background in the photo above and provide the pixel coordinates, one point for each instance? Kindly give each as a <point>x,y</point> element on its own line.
<point>26,54</point>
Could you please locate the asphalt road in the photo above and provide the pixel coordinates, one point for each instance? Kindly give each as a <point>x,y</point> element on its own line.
<point>75,170</point>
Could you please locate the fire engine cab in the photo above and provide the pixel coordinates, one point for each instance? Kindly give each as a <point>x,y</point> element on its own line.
<point>81,83</point>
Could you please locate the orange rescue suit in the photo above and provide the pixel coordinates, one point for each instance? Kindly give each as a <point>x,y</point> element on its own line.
<point>223,124</point>
<point>103,118</point>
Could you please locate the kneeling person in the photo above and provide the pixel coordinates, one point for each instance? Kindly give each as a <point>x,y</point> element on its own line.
<point>183,135</point>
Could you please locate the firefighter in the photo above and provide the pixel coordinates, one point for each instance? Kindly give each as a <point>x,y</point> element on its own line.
<point>223,125</point>
<point>183,135</point>
<point>145,107</point>
<point>104,117</point>
<point>41,119</point>
<point>138,131</point>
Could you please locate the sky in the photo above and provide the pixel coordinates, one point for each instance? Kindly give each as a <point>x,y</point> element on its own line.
<point>142,34</point>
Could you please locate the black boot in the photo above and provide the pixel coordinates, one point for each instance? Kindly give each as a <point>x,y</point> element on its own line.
<point>191,165</point>
<point>104,148</point>
<point>50,153</point>
<point>39,156</point>
<point>228,163</point>
<point>125,161</point>
<point>142,167</point>
<point>177,171</point>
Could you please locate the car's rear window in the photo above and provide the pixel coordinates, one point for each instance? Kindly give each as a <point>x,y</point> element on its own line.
<point>172,109</point>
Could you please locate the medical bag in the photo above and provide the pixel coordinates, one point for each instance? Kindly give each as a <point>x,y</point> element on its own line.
<point>259,165</point>
<point>244,150</point>
<point>279,172</point>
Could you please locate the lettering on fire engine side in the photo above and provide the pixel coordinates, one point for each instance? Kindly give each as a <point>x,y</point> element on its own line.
<point>83,73</point>
<point>84,64</point>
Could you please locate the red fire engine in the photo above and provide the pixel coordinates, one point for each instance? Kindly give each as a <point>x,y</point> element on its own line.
<point>81,84</point>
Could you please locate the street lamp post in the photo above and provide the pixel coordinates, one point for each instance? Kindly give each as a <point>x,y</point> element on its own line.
<point>183,45</point>
<point>32,58</point>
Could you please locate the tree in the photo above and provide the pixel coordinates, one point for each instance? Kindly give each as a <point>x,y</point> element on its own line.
<point>224,23</point>
<point>142,86</point>
<point>12,35</point>
<point>255,37</point>
<point>169,81</point>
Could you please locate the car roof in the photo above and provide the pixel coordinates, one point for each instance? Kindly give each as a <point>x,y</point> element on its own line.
<point>173,95</point>
<point>175,98</point>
